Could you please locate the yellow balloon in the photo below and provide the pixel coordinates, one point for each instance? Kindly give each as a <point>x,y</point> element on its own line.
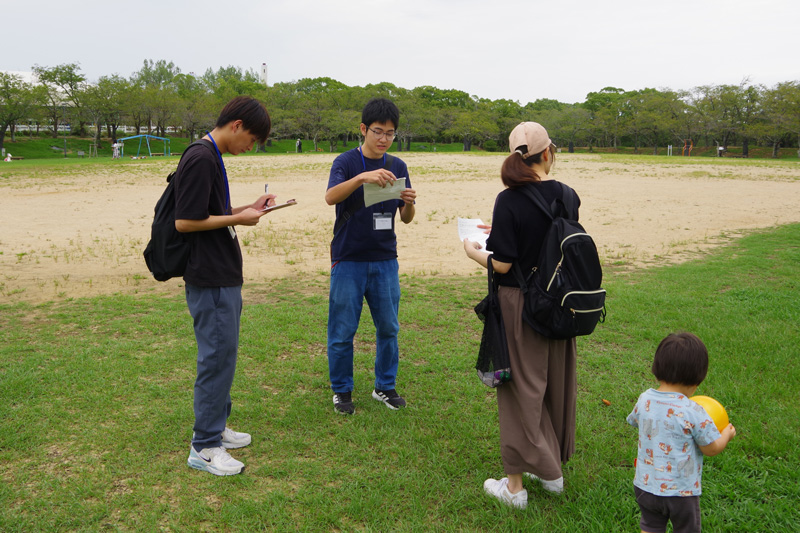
<point>714,410</point>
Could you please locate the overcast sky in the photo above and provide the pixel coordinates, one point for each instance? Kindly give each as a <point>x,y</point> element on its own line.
<point>514,49</point>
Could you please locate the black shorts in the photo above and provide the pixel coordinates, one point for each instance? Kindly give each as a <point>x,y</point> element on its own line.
<point>682,511</point>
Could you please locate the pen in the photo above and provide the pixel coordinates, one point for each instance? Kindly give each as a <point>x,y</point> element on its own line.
<point>266,188</point>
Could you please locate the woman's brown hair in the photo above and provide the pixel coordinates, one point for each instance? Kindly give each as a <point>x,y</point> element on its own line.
<point>517,171</point>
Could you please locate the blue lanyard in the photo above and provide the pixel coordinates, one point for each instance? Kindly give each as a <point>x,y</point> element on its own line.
<point>363,162</point>
<point>224,174</point>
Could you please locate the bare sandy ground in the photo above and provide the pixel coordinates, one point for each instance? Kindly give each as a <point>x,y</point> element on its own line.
<point>77,232</point>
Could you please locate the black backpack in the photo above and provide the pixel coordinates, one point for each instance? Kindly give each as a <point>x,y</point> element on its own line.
<point>167,253</point>
<point>563,297</point>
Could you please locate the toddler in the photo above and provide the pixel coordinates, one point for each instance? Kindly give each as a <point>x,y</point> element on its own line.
<point>674,435</point>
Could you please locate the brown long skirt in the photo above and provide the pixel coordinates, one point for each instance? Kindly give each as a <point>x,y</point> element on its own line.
<point>537,407</point>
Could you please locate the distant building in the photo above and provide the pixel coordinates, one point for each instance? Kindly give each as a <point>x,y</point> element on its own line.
<point>264,74</point>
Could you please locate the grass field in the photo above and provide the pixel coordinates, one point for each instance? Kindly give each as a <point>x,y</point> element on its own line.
<point>38,148</point>
<point>96,404</point>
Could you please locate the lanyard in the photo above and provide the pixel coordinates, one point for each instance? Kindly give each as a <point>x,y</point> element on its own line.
<point>224,174</point>
<point>363,162</point>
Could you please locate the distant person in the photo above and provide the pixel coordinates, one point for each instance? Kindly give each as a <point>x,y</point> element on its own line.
<point>8,156</point>
<point>115,150</point>
<point>364,257</point>
<point>213,275</point>
<point>298,146</point>
<point>537,407</point>
<point>674,435</point>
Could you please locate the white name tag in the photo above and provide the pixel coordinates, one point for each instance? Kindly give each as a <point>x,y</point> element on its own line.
<point>381,221</point>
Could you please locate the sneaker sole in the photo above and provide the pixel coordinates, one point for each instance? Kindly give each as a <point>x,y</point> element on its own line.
<point>211,470</point>
<point>386,403</point>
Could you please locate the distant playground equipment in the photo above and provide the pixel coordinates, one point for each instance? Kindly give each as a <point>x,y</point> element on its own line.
<point>145,138</point>
<point>687,147</point>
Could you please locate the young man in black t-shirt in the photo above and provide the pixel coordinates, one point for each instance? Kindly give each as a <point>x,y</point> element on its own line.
<point>214,274</point>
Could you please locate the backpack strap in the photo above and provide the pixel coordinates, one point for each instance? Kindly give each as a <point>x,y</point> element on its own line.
<point>200,142</point>
<point>567,201</point>
<point>342,219</point>
<point>533,194</point>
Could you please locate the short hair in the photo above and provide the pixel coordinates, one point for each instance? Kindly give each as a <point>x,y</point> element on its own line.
<point>681,359</point>
<point>517,171</point>
<point>251,112</point>
<point>380,110</point>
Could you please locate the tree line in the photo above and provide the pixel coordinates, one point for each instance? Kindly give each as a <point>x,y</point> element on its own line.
<point>326,112</point>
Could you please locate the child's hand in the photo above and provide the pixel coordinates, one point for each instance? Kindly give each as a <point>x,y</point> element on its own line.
<point>718,445</point>
<point>729,432</point>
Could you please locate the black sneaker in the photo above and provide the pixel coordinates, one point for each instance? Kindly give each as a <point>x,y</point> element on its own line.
<point>390,398</point>
<point>343,403</point>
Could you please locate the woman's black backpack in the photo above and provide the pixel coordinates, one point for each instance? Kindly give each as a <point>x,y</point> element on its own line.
<point>563,296</point>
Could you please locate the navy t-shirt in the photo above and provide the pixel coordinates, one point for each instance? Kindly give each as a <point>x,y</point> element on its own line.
<point>519,228</point>
<point>357,240</point>
<point>215,259</point>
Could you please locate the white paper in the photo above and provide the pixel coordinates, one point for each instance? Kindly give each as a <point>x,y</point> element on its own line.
<point>468,229</point>
<point>374,194</point>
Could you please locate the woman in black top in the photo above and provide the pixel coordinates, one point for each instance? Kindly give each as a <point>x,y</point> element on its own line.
<point>537,407</point>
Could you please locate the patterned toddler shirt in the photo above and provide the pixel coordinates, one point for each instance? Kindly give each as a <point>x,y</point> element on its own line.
<point>671,429</point>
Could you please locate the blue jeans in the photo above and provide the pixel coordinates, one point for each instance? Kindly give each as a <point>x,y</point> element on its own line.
<point>216,312</point>
<point>351,282</point>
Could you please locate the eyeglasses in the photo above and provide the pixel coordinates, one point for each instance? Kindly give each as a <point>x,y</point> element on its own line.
<point>390,135</point>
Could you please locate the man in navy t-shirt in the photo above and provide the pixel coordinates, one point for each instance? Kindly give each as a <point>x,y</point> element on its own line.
<point>364,256</point>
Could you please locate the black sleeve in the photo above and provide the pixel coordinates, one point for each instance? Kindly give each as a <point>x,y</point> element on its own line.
<point>502,240</point>
<point>195,177</point>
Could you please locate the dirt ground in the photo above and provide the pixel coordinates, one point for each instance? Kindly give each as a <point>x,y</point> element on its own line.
<point>78,231</point>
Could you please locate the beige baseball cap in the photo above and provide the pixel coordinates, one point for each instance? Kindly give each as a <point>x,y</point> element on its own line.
<point>530,134</point>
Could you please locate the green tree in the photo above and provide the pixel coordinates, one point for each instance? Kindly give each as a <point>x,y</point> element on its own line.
<point>473,126</point>
<point>725,111</point>
<point>154,103</point>
<point>606,110</point>
<point>156,73</point>
<point>197,106</point>
<point>105,101</point>
<point>506,115</point>
<point>779,115</point>
<point>65,90</point>
<point>650,115</point>
<point>568,126</point>
<point>18,100</point>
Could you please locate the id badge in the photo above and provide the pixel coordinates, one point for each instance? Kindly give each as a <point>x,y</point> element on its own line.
<point>382,221</point>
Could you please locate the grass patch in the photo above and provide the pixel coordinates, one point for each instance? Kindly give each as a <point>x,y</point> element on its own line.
<point>49,148</point>
<point>96,403</point>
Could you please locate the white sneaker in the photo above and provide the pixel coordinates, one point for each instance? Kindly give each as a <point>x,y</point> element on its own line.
<point>215,461</point>
<point>556,486</point>
<point>233,439</point>
<point>499,489</point>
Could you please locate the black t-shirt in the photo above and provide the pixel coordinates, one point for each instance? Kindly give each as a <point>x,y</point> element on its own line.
<point>519,227</point>
<point>215,259</point>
